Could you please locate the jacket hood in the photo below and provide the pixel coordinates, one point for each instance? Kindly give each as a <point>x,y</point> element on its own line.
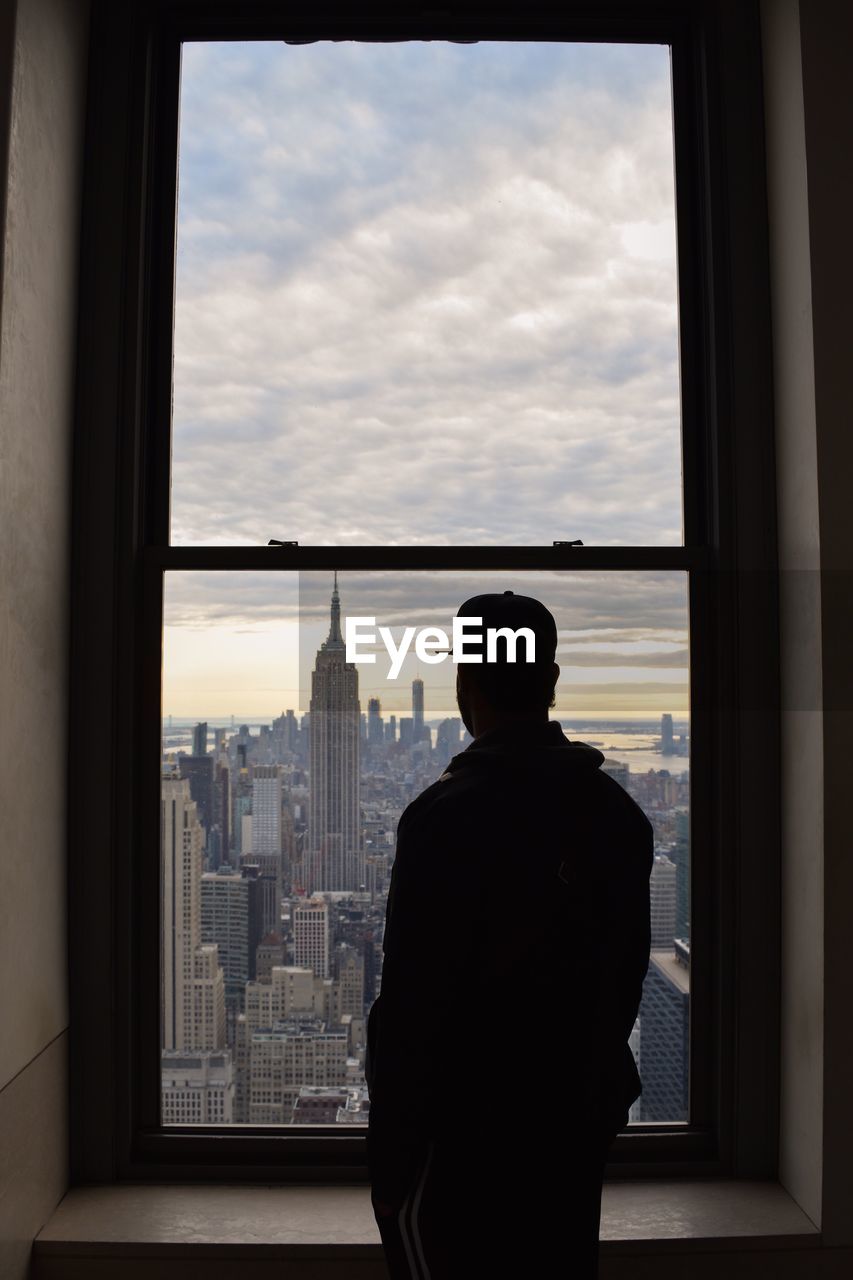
<point>538,747</point>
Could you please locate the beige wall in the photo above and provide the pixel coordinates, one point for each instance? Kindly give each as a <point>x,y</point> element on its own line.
<point>42,65</point>
<point>800,1146</point>
<point>809,126</point>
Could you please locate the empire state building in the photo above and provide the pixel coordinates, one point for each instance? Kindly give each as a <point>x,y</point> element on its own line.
<point>335,858</point>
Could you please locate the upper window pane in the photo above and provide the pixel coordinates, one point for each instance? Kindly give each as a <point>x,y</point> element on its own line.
<point>426,293</point>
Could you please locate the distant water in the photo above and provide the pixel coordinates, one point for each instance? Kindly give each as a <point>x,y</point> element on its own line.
<point>634,748</point>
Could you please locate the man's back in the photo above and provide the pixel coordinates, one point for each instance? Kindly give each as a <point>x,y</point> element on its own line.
<point>517,937</point>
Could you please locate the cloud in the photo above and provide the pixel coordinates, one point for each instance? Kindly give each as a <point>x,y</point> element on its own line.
<point>424,295</point>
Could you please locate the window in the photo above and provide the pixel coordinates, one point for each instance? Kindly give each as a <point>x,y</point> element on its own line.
<point>184,541</point>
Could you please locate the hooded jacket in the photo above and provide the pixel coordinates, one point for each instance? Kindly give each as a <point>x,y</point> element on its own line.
<point>516,943</point>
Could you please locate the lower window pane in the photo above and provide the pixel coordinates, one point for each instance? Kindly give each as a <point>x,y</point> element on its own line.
<point>284,772</point>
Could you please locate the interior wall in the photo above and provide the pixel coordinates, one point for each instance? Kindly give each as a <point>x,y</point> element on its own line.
<point>827,39</point>
<point>809,114</point>
<point>43,47</point>
<point>800,1144</point>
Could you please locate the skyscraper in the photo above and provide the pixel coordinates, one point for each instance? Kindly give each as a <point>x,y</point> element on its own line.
<point>225,921</point>
<point>665,1037</point>
<point>375,723</point>
<point>680,855</point>
<point>447,738</point>
<point>198,770</point>
<point>417,709</point>
<point>334,855</point>
<point>221,813</point>
<point>193,988</point>
<point>662,894</point>
<point>200,739</point>
<point>666,738</point>
<point>311,936</point>
<point>266,809</point>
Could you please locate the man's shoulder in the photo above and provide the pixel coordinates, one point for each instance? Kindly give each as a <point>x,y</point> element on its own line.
<point>477,802</point>
<point>444,801</point>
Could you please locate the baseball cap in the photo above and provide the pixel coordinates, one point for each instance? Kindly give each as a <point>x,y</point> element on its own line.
<point>506,609</point>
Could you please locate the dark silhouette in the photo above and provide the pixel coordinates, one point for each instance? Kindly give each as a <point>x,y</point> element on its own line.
<point>498,1061</point>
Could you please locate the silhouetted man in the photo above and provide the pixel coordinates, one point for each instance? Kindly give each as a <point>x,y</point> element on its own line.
<point>516,942</point>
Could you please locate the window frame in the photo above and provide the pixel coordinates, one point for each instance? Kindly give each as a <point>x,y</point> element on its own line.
<point>121,551</point>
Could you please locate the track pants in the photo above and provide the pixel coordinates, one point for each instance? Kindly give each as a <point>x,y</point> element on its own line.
<point>489,1214</point>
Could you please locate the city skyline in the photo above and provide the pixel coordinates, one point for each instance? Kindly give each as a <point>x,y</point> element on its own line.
<point>290,948</point>
<point>234,644</point>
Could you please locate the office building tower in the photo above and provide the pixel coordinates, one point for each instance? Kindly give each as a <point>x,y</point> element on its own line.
<point>662,893</point>
<point>289,991</point>
<point>225,920</point>
<point>680,855</point>
<point>285,735</point>
<point>375,724</point>
<point>270,953</point>
<point>267,868</point>
<point>334,856</point>
<point>198,770</point>
<point>286,992</point>
<point>266,810</point>
<point>664,1037</point>
<point>349,972</point>
<point>221,810</point>
<point>200,739</point>
<point>284,1059</point>
<point>213,850</point>
<point>311,936</point>
<point>391,729</point>
<point>207,999</point>
<point>254,893</point>
<point>193,989</point>
<point>406,736</point>
<point>376,874</point>
<point>417,709</point>
<point>197,1088</point>
<point>447,738</point>
<point>241,807</point>
<point>666,738</point>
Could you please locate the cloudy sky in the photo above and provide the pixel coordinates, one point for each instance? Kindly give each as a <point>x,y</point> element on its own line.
<point>425,293</point>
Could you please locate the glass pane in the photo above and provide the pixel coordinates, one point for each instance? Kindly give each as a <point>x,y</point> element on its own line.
<point>284,773</point>
<point>426,293</point>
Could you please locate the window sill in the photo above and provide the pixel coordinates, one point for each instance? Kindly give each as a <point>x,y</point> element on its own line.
<point>95,1228</point>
